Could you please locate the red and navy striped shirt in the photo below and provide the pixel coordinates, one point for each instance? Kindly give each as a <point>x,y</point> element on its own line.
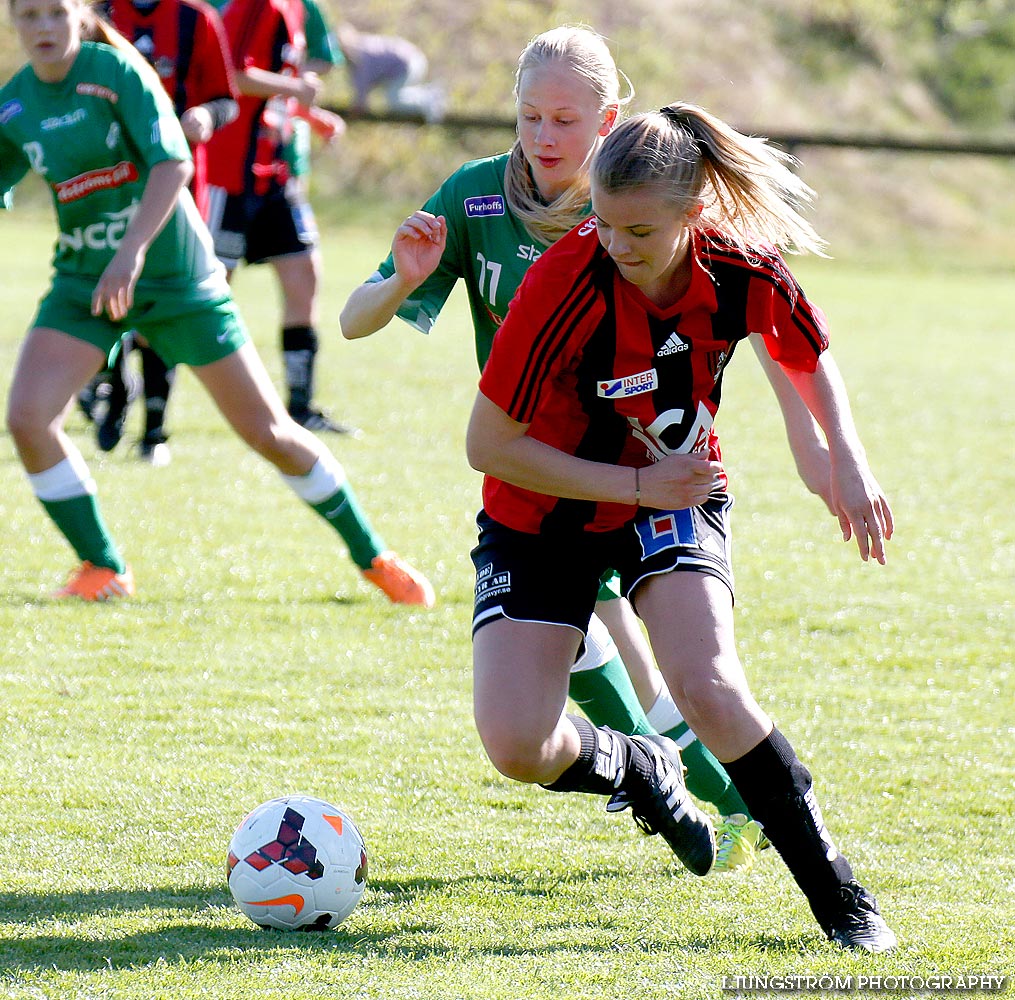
<point>599,371</point>
<point>185,43</point>
<point>249,152</point>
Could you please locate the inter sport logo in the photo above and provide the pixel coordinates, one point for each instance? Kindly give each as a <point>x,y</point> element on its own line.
<point>629,385</point>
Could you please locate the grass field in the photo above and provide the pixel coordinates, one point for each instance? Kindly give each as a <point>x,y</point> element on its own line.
<point>255,662</point>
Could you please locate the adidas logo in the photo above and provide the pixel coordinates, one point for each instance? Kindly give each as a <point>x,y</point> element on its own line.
<point>674,345</point>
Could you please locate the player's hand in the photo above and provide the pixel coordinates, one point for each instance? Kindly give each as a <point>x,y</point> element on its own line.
<point>679,481</point>
<point>114,293</point>
<point>862,509</point>
<point>197,124</point>
<point>418,245</point>
<point>310,87</point>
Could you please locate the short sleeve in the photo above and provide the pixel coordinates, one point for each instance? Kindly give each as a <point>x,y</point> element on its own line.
<point>794,329</point>
<point>321,42</point>
<point>556,305</point>
<point>147,116</point>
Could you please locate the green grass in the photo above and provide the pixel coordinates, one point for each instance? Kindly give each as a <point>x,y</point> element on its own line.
<point>255,662</point>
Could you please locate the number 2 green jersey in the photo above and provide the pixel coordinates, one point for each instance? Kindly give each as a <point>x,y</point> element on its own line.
<point>488,248</point>
<point>94,138</point>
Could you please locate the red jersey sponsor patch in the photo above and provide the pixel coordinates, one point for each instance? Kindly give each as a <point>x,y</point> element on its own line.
<point>96,180</point>
<point>97,90</point>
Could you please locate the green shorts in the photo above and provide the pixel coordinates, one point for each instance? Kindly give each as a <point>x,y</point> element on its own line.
<point>182,325</point>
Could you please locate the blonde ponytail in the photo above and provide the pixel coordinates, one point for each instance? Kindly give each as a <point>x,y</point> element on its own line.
<point>748,190</point>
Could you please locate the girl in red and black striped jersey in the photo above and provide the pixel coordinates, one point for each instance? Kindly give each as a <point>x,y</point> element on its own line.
<point>185,42</point>
<point>594,426</point>
<point>258,213</point>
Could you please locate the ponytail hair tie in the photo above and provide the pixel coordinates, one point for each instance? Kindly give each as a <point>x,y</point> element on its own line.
<point>676,117</point>
<point>686,123</point>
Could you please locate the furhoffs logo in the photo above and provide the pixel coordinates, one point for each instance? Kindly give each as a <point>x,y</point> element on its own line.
<point>483,205</point>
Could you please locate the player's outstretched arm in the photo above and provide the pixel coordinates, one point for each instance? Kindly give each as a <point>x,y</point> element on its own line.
<point>416,249</point>
<point>806,442</point>
<point>857,499</point>
<point>257,82</point>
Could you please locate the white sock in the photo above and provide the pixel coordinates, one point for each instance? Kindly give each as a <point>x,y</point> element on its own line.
<point>599,647</point>
<point>65,480</point>
<point>324,480</point>
<point>664,714</point>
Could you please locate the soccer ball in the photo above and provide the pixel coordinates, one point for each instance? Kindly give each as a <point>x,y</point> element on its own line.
<point>297,863</point>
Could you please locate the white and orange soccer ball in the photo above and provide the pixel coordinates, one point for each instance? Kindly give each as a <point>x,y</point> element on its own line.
<point>297,863</point>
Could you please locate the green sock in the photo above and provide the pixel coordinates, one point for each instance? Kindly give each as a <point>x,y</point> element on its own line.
<point>706,778</point>
<point>80,522</point>
<point>342,511</point>
<point>607,697</point>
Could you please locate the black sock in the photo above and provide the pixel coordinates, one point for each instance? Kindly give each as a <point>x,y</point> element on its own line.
<point>119,377</point>
<point>608,760</point>
<point>158,381</point>
<point>299,348</point>
<point>778,790</point>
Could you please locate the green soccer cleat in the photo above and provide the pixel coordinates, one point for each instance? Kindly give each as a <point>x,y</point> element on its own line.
<point>738,841</point>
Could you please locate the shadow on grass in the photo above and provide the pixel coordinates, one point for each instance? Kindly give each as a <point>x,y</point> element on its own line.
<point>39,598</point>
<point>179,928</point>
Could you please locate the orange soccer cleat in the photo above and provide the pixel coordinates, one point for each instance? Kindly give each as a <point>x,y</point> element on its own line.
<point>97,583</point>
<point>401,582</point>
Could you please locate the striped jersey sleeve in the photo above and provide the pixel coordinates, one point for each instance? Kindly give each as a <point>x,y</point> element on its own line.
<point>795,329</point>
<point>554,311</point>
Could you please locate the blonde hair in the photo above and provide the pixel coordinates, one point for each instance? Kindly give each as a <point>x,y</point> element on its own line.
<point>748,190</point>
<point>585,52</point>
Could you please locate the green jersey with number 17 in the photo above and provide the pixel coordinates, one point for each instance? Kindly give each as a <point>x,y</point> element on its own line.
<point>488,248</point>
<point>94,138</point>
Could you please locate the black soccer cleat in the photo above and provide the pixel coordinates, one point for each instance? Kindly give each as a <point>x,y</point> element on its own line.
<point>857,924</point>
<point>109,429</point>
<point>666,808</point>
<point>314,419</point>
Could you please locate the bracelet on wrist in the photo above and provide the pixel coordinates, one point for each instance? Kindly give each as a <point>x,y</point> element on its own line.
<point>637,487</point>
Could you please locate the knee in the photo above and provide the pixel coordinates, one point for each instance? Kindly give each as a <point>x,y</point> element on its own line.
<point>515,755</point>
<point>269,439</point>
<point>299,288</point>
<point>25,423</point>
<point>708,703</point>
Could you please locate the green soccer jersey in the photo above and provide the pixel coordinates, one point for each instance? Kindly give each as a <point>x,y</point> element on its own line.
<point>321,41</point>
<point>488,248</point>
<point>94,138</point>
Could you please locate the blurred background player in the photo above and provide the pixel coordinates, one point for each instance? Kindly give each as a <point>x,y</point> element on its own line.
<point>184,42</point>
<point>93,120</point>
<point>323,55</point>
<point>393,65</point>
<point>257,215</point>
